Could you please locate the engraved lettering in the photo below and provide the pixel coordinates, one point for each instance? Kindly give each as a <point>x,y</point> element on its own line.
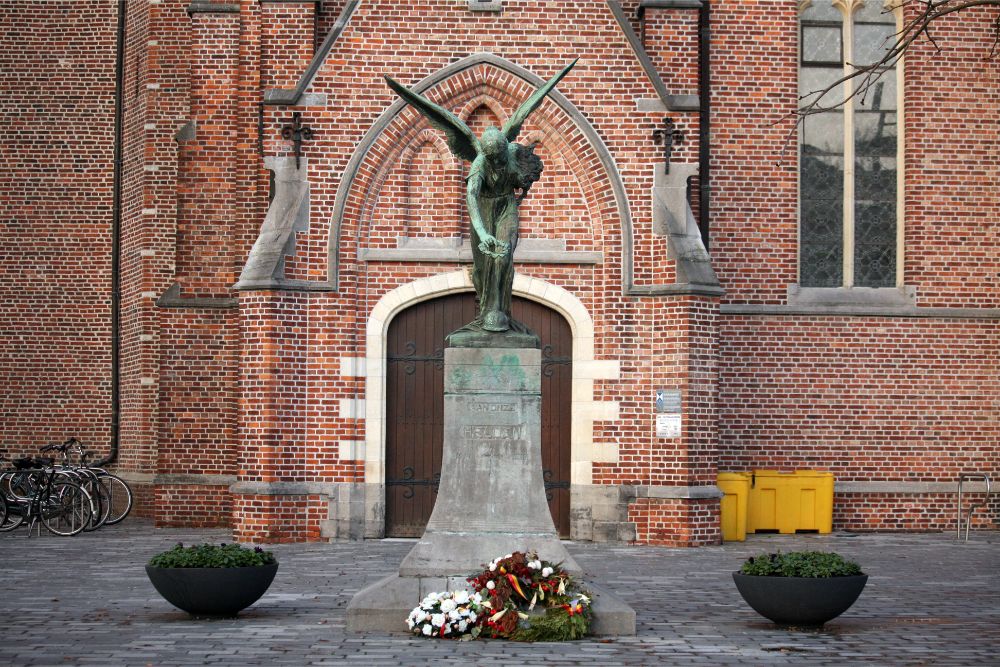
<point>491,407</point>
<point>492,432</point>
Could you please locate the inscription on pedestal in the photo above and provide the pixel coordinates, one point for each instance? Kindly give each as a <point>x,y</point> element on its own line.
<point>491,407</point>
<point>490,432</point>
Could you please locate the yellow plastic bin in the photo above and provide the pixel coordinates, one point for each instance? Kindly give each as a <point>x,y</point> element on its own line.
<point>735,488</point>
<point>790,502</point>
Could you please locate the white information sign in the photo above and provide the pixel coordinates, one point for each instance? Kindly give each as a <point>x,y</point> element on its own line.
<point>668,426</point>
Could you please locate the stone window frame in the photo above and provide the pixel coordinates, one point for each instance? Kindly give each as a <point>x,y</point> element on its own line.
<point>847,292</point>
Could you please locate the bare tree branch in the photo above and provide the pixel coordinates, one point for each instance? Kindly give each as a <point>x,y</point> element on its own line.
<point>923,14</point>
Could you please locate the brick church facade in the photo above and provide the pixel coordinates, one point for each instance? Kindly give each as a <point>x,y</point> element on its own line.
<point>285,242</point>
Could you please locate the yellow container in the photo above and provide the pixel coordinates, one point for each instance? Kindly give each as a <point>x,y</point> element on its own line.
<point>735,487</point>
<point>790,502</point>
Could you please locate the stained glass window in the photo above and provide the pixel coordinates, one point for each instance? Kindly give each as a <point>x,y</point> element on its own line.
<point>847,216</point>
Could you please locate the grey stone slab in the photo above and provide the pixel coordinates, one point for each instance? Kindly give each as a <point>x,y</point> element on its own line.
<point>492,371</point>
<point>491,498</point>
<point>287,214</point>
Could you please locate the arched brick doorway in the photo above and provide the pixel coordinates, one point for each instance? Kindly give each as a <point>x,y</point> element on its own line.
<point>415,408</point>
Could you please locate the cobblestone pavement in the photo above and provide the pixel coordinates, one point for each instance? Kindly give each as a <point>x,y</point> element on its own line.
<point>930,600</point>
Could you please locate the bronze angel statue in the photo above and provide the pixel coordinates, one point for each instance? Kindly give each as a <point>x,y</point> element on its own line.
<point>501,174</point>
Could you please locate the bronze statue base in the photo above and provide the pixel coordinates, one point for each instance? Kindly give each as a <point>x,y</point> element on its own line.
<point>474,335</point>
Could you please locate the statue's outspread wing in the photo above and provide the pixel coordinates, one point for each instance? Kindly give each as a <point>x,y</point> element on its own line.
<point>513,126</point>
<point>529,166</point>
<point>462,141</point>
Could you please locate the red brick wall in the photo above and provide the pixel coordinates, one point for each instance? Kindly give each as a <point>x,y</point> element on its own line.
<point>672,44</point>
<point>952,200</point>
<point>255,392</point>
<point>870,399</point>
<point>754,189</point>
<point>911,512</point>
<point>274,519</point>
<point>199,370</point>
<point>286,42</point>
<point>57,81</point>
<point>193,506</point>
<point>676,523</point>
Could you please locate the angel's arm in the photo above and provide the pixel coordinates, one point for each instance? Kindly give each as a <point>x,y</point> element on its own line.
<point>513,126</point>
<point>488,243</point>
<point>462,141</point>
<point>473,188</point>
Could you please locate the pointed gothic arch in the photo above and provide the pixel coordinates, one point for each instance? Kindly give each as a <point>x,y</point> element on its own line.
<point>595,143</point>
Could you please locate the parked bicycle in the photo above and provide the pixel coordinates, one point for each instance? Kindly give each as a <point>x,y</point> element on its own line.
<point>116,494</point>
<point>109,497</point>
<point>41,495</point>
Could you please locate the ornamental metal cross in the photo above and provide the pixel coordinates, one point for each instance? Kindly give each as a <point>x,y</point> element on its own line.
<point>297,133</point>
<point>668,137</point>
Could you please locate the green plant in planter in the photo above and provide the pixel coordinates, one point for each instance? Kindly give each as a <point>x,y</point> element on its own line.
<point>206,579</point>
<point>211,555</point>
<point>811,564</point>
<point>805,588</point>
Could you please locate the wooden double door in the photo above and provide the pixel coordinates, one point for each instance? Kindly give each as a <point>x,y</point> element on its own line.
<point>415,407</point>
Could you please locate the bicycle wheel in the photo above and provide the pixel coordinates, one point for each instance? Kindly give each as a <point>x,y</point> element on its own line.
<point>65,509</point>
<point>100,499</point>
<point>15,506</point>
<point>19,485</point>
<point>119,497</point>
<point>15,509</point>
<point>3,510</point>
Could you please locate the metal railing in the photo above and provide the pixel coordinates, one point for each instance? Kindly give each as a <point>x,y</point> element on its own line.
<point>969,477</point>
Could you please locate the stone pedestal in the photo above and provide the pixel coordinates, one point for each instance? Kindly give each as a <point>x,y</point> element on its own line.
<point>491,499</point>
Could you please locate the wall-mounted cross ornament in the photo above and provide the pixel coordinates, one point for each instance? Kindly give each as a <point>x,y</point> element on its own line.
<point>297,133</point>
<point>668,136</point>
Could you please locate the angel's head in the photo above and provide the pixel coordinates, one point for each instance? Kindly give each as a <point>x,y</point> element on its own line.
<point>494,144</point>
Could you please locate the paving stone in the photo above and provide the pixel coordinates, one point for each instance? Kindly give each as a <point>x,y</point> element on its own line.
<point>86,601</point>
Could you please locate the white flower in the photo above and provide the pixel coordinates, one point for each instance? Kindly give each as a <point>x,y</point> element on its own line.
<point>410,623</point>
<point>421,616</point>
<point>427,630</point>
<point>437,620</point>
<point>477,598</point>
<point>454,615</point>
<point>462,597</point>
<point>490,585</point>
<point>547,571</point>
<point>493,567</point>
<point>462,626</point>
<point>472,618</point>
<point>448,605</point>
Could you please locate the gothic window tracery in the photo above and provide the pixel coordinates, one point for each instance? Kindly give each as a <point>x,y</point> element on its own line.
<point>848,157</point>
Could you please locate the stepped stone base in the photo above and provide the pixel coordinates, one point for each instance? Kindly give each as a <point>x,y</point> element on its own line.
<point>491,498</point>
<point>384,606</point>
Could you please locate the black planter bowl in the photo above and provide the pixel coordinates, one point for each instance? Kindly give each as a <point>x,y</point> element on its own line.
<point>800,600</point>
<point>212,591</point>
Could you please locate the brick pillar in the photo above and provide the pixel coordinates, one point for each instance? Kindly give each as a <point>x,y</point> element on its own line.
<point>680,505</point>
<point>271,500</point>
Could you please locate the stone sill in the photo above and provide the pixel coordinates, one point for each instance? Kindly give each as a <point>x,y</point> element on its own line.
<point>485,5</point>
<point>863,297</point>
<point>458,250</point>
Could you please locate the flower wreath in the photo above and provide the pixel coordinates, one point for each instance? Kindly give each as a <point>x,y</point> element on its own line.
<point>451,614</point>
<point>517,596</point>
